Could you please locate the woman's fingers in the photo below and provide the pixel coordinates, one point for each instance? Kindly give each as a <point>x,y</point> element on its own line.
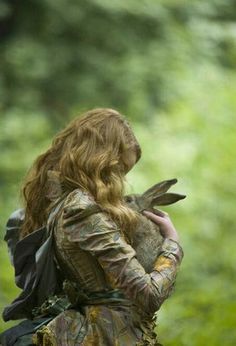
<point>167,229</point>
<point>156,212</point>
<point>154,217</point>
<point>160,212</point>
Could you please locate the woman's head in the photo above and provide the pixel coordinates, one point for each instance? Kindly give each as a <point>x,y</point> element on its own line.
<point>93,152</point>
<point>97,143</point>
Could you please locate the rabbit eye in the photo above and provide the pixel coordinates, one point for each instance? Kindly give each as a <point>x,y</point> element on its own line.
<point>128,199</point>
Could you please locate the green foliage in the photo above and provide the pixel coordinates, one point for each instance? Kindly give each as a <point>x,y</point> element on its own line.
<point>170,66</point>
<point>8,291</point>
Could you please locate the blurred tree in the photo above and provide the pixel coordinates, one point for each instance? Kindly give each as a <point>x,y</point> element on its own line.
<point>58,55</point>
<point>169,65</point>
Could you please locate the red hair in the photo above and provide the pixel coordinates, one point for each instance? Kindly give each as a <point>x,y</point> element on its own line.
<point>88,154</point>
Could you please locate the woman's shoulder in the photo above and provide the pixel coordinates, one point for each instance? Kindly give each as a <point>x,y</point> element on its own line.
<point>81,208</point>
<point>79,198</point>
<point>79,204</point>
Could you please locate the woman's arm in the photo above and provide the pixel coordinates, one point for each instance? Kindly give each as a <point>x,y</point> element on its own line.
<point>100,236</point>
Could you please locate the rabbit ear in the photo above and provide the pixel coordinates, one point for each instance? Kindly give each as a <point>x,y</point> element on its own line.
<point>167,198</point>
<point>159,188</point>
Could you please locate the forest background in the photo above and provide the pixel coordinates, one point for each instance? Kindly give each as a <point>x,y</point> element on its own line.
<point>170,66</point>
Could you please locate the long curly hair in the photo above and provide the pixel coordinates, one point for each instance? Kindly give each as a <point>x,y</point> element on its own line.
<point>87,154</point>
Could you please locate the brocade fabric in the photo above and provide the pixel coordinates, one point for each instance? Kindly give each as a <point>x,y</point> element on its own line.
<point>94,255</point>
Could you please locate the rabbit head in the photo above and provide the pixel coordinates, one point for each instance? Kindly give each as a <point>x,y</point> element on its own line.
<point>154,196</point>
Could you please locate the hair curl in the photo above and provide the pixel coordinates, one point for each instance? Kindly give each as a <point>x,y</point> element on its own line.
<point>87,153</point>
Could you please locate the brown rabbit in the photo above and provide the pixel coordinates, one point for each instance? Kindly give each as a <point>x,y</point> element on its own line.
<point>146,239</point>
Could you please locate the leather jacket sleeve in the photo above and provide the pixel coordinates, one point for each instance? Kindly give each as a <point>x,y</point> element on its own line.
<point>12,235</point>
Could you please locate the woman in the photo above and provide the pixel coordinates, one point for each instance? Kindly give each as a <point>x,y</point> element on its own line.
<point>80,180</point>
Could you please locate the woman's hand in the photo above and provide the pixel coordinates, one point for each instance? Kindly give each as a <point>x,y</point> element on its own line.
<point>163,220</point>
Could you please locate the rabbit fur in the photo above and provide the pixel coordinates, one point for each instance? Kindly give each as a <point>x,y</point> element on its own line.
<point>146,239</point>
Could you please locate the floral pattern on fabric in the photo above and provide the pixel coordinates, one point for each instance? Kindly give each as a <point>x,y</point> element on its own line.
<point>94,255</point>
